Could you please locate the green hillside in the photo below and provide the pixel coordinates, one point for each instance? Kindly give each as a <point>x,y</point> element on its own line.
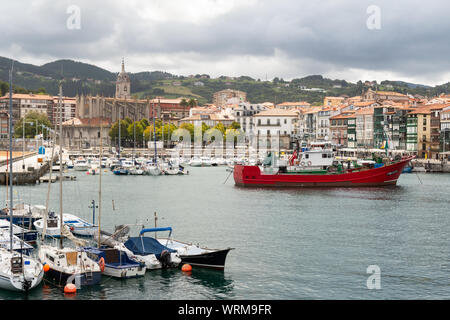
<point>83,78</point>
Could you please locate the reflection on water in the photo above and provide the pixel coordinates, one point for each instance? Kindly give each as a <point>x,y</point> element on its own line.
<point>214,279</point>
<point>311,242</point>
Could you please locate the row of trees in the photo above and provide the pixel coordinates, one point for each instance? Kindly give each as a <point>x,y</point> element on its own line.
<point>33,123</point>
<point>141,131</point>
<point>4,89</point>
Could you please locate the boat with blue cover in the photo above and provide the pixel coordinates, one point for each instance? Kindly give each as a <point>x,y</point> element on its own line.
<point>117,264</point>
<point>120,171</point>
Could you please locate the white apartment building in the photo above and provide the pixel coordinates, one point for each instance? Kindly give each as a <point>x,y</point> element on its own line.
<point>276,122</point>
<point>243,114</point>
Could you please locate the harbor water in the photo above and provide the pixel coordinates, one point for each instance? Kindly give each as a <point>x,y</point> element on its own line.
<point>289,243</point>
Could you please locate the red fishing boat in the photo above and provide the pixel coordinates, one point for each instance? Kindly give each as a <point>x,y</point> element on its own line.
<point>364,176</point>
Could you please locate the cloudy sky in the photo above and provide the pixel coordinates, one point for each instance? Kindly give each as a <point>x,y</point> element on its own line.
<point>405,40</point>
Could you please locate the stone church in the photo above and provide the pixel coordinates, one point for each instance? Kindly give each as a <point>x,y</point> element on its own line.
<point>95,112</point>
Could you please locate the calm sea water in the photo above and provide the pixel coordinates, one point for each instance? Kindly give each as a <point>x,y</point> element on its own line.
<point>289,244</point>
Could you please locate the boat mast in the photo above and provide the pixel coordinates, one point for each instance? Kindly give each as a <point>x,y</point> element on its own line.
<point>154,129</point>
<point>100,180</point>
<point>118,155</point>
<point>61,221</point>
<point>10,160</point>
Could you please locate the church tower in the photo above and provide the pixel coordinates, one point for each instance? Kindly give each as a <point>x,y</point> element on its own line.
<point>123,84</point>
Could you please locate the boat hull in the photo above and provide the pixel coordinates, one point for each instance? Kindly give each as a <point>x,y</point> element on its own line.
<point>251,176</point>
<point>212,259</point>
<point>124,272</point>
<point>60,278</point>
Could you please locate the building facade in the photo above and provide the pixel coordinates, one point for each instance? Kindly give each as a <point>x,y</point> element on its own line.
<point>221,98</point>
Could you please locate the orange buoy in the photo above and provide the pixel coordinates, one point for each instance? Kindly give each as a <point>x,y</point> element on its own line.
<point>70,288</point>
<point>101,264</point>
<point>186,268</point>
<point>46,267</point>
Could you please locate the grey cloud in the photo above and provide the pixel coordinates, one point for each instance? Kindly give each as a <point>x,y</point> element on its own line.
<point>326,35</point>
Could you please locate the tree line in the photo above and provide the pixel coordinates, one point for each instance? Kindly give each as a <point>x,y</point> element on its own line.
<point>139,132</point>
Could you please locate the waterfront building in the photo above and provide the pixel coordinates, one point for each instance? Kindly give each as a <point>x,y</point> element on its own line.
<point>221,98</point>
<point>69,106</point>
<point>4,124</point>
<point>293,105</point>
<point>445,129</point>
<point>244,113</point>
<point>389,124</point>
<point>160,105</point>
<point>24,103</point>
<point>364,127</point>
<point>210,119</point>
<point>333,101</point>
<point>338,129</point>
<point>276,122</point>
<point>85,133</point>
<point>386,95</point>
<point>425,120</point>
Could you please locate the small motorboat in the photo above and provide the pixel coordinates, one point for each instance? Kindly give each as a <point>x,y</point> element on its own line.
<point>81,164</point>
<point>117,263</point>
<point>135,171</point>
<point>195,162</point>
<point>120,171</point>
<point>76,225</point>
<point>196,255</point>
<point>79,226</point>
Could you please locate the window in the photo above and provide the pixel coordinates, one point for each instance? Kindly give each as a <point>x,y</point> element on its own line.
<point>278,122</point>
<point>259,122</point>
<point>285,121</point>
<point>268,121</point>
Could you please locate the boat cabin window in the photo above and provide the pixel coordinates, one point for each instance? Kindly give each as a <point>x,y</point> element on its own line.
<point>306,156</point>
<point>324,155</point>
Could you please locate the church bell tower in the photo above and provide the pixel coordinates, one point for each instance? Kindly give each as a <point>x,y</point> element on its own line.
<point>123,84</point>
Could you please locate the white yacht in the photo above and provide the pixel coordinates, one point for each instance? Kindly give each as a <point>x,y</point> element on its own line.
<point>195,162</point>
<point>81,164</point>
<point>19,272</point>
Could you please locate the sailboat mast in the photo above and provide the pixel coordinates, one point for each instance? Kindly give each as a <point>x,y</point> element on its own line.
<point>100,181</point>
<point>154,129</point>
<point>61,221</point>
<point>10,160</point>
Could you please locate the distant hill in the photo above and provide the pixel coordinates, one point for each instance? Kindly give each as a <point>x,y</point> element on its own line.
<point>73,69</point>
<point>84,78</point>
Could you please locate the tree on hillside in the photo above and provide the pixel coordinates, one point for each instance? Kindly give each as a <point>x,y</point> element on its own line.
<point>4,88</point>
<point>192,103</point>
<point>184,104</point>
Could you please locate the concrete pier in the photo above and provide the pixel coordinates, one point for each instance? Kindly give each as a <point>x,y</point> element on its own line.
<point>27,169</point>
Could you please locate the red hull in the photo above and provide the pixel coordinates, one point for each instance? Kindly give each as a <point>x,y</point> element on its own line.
<point>251,176</point>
